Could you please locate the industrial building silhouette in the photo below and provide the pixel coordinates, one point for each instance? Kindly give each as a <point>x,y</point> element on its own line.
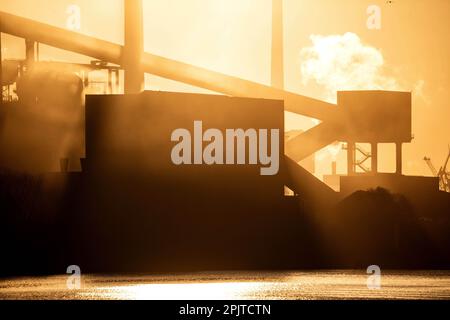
<point>129,208</point>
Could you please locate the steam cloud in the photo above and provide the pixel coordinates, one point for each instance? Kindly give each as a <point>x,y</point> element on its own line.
<point>343,62</point>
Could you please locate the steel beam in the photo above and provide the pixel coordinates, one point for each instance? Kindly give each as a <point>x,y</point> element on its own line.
<point>312,140</point>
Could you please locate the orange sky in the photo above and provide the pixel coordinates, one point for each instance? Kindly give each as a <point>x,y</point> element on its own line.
<point>233,37</point>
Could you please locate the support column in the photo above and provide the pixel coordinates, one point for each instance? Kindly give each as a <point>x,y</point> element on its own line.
<point>350,158</point>
<point>110,86</point>
<point>333,168</point>
<point>134,47</point>
<point>30,55</point>
<point>117,90</point>
<point>374,154</point>
<point>398,157</point>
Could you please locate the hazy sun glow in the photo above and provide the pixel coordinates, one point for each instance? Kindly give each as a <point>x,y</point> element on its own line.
<point>409,52</point>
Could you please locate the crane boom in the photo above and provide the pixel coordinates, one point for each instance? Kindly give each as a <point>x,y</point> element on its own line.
<point>431,166</point>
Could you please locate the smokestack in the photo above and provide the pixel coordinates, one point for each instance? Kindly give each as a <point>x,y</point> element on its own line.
<point>277,45</point>
<point>134,47</point>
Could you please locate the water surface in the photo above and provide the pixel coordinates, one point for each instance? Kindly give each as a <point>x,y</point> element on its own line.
<point>342,284</point>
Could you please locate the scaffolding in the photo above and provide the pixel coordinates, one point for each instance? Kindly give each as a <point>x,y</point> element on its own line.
<point>356,162</point>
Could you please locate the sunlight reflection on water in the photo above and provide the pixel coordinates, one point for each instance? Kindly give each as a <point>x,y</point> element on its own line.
<point>192,291</point>
<point>349,284</point>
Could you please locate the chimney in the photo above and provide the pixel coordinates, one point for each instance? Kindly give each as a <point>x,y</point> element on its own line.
<point>134,47</point>
<point>277,45</point>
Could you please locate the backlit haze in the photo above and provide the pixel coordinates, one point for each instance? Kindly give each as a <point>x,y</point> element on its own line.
<point>327,47</point>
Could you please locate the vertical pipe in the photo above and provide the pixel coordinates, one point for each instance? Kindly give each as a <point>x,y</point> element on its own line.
<point>134,47</point>
<point>277,67</point>
<point>398,147</point>
<point>1,71</point>
<point>374,151</point>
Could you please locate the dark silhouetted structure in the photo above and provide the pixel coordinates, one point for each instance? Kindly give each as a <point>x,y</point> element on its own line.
<point>130,208</point>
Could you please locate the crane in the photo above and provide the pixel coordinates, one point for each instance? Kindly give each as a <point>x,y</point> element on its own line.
<point>431,166</point>
<point>443,173</point>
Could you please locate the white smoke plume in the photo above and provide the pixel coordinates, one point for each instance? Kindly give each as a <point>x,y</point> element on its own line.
<point>343,62</point>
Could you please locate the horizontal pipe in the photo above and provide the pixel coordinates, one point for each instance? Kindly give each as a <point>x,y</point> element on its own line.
<point>163,67</point>
<point>60,38</point>
<point>233,86</point>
